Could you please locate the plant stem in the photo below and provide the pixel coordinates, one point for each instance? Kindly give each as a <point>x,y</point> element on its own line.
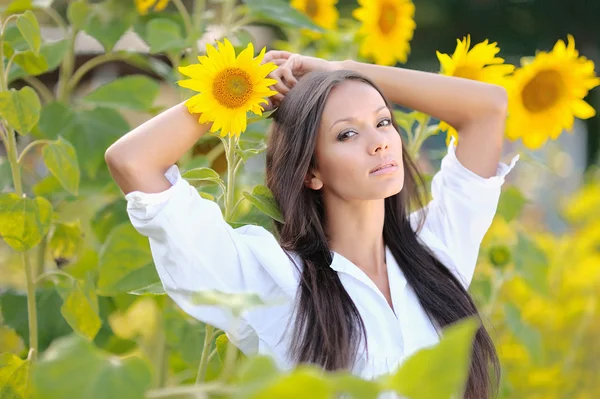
<point>231,162</point>
<point>41,260</point>
<point>7,69</point>
<point>229,363</point>
<point>31,305</point>
<point>215,152</point>
<point>189,26</point>
<point>199,7</point>
<point>30,146</point>
<point>55,16</point>
<point>12,152</point>
<point>43,91</point>
<point>208,332</point>
<point>66,69</point>
<point>93,63</point>
<point>11,149</point>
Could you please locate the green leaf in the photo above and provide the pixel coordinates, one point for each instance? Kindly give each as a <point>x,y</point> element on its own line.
<point>354,386</point>
<point>27,63</point>
<point>296,384</point>
<point>135,92</point>
<point>98,374</point>
<point>162,34</point>
<point>66,239</point>
<point>236,303</point>
<point>106,21</point>
<point>91,133</point>
<point>280,13</point>
<point>108,217</point>
<point>530,337</point>
<point>61,159</point>
<point>21,109</point>
<point>30,30</point>
<point>152,289</point>
<point>255,373</point>
<point>10,341</point>
<point>80,306</point>
<point>262,198</point>
<point>51,324</point>
<point>511,203</point>
<point>14,377</point>
<point>184,335</point>
<point>532,264</point>
<point>55,119</point>
<point>24,221</point>
<point>440,371</point>
<point>32,64</point>
<point>18,6</point>
<point>125,262</point>
<point>77,13</point>
<point>247,153</point>
<point>204,175</point>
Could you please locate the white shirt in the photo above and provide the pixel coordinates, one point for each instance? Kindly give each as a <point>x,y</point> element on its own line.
<point>195,249</point>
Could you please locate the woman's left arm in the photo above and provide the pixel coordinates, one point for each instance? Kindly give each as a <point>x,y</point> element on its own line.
<point>476,110</point>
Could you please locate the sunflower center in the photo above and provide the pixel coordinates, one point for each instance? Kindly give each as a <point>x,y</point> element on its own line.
<point>543,91</point>
<point>387,18</point>
<point>467,72</point>
<point>312,8</point>
<point>232,87</point>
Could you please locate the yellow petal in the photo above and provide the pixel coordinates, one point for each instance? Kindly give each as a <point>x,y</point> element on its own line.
<point>582,110</point>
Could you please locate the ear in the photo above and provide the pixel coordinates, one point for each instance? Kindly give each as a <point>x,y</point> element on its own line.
<point>312,181</point>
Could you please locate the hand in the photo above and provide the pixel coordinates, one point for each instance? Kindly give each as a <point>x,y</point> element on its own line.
<point>291,67</point>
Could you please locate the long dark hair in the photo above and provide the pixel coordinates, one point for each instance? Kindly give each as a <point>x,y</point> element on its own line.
<point>328,327</point>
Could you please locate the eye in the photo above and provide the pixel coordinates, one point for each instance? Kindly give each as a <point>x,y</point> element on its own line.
<point>343,135</point>
<point>388,120</point>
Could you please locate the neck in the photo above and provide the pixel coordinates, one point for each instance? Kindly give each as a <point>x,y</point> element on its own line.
<point>356,232</point>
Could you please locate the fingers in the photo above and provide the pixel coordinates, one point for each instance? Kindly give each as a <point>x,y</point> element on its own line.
<point>288,77</point>
<point>272,55</point>
<point>282,85</point>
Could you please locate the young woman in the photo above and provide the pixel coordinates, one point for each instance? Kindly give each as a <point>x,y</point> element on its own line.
<point>367,282</point>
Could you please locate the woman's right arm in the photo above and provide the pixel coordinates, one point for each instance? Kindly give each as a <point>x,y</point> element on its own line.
<point>193,247</point>
<point>138,160</point>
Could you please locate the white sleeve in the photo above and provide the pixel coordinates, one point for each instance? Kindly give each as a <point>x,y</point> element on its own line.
<point>194,249</point>
<point>460,213</point>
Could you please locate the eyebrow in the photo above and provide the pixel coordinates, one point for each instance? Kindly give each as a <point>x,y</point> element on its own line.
<point>352,118</point>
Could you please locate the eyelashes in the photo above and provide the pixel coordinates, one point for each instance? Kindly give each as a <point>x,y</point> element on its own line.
<point>342,136</point>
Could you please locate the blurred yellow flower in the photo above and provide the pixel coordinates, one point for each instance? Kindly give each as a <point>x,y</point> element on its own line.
<point>387,29</point>
<point>583,205</point>
<point>479,63</point>
<point>546,93</point>
<point>229,87</point>
<point>143,6</point>
<point>322,12</point>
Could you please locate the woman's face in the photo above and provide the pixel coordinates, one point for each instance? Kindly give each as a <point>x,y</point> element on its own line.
<point>355,136</point>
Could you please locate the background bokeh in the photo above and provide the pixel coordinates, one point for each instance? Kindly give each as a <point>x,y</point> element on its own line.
<point>103,323</point>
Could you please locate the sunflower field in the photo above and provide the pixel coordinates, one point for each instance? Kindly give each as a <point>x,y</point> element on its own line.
<point>83,314</point>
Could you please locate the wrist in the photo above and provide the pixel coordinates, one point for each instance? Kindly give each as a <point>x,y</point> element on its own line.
<point>340,65</point>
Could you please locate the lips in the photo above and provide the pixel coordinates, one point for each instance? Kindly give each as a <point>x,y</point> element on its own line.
<point>386,164</point>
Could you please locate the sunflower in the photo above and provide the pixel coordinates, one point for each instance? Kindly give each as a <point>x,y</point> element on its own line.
<point>322,12</point>
<point>546,94</point>
<point>479,63</point>
<point>144,5</point>
<point>229,87</point>
<point>387,29</point>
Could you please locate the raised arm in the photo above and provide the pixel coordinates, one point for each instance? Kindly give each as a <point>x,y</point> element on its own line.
<point>139,160</point>
<point>476,110</point>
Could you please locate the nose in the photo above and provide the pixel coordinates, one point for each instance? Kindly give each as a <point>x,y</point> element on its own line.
<point>379,142</point>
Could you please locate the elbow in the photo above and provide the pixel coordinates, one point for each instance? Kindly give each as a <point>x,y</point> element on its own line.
<point>115,160</point>
<point>497,102</point>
